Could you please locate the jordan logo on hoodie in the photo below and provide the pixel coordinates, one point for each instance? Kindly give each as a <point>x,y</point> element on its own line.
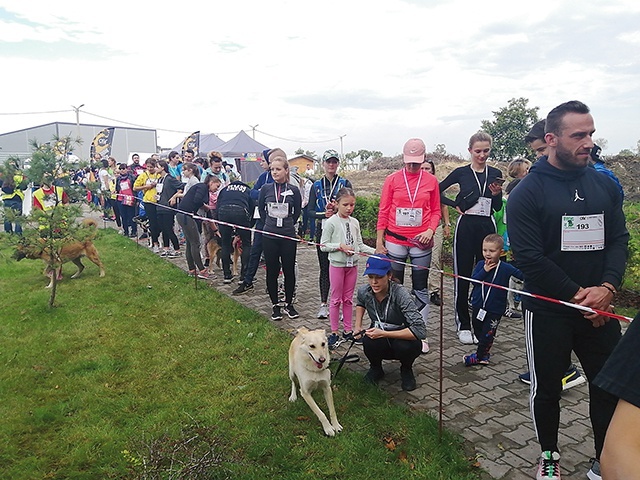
<point>578,197</point>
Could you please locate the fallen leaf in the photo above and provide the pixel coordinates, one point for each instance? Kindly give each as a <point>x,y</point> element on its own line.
<point>402,456</point>
<point>389,443</point>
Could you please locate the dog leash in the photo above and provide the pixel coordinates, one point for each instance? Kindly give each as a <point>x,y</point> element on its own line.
<point>346,357</point>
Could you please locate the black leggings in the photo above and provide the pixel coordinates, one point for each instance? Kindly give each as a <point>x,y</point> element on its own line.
<point>323,262</point>
<point>151,211</point>
<point>391,349</point>
<point>467,251</point>
<point>166,224</point>
<point>280,253</point>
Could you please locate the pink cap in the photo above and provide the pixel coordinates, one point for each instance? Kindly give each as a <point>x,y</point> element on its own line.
<point>414,151</point>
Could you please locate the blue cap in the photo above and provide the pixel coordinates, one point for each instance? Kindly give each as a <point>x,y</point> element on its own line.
<point>378,265</point>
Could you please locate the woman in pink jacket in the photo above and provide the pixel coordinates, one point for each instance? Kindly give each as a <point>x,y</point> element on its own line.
<point>408,217</point>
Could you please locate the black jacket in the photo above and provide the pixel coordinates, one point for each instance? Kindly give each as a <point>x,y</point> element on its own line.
<point>534,214</point>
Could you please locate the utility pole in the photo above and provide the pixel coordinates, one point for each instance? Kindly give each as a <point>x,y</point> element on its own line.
<point>77,109</point>
<point>253,127</point>
<point>341,147</point>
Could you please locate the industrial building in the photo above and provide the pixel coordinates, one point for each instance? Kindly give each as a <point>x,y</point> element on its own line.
<point>126,140</point>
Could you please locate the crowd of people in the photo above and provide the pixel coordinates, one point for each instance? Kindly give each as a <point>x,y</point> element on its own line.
<point>560,220</point>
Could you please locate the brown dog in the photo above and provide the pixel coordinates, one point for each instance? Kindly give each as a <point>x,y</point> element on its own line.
<point>70,252</point>
<point>213,245</point>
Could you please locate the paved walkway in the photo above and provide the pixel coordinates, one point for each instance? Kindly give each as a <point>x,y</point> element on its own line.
<point>487,405</point>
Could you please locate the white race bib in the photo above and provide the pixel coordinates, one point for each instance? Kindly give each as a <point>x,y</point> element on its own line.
<point>482,208</point>
<point>278,210</point>
<point>408,217</point>
<point>582,233</point>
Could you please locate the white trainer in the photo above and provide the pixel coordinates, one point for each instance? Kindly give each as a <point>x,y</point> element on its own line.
<point>465,337</point>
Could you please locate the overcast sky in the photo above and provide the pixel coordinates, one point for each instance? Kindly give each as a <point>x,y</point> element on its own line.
<point>378,72</point>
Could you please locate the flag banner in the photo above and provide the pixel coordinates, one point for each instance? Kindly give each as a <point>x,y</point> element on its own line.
<point>101,144</point>
<point>192,142</point>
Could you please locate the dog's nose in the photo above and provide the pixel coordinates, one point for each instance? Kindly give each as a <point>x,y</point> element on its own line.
<point>322,360</point>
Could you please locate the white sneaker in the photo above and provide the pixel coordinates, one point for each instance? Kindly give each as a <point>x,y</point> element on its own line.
<point>466,337</point>
<point>156,249</point>
<point>324,311</point>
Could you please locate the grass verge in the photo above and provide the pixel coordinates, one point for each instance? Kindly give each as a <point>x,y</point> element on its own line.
<point>139,375</point>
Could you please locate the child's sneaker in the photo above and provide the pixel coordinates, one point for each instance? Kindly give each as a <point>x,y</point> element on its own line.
<point>549,466</point>
<point>291,311</point>
<point>333,341</point>
<point>276,313</point>
<point>472,359</point>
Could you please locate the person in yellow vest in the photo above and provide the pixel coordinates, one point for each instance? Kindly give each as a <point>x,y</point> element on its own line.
<point>12,198</point>
<point>146,183</point>
<point>47,196</point>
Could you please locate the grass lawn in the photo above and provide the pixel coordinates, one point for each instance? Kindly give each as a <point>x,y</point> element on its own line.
<point>140,375</point>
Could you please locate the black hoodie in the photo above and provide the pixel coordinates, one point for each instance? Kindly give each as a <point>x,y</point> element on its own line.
<point>534,215</point>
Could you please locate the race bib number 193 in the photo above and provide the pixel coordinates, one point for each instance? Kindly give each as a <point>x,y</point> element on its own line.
<point>582,233</point>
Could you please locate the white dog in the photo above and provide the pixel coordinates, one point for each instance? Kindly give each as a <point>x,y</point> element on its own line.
<point>308,361</point>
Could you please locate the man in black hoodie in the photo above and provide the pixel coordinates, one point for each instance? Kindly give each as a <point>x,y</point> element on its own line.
<point>235,206</point>
<point>568,232</point>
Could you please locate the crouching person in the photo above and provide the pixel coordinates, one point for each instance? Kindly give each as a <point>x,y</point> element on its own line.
<point>397,328</point>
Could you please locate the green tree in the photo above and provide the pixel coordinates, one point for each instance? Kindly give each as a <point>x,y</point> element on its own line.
<point>46,232</point>
<point>603,143</point>
<point>365,156</point>
<point>308,153</point>
<point>626,152</point>
<point>440,149</point>
<point>508,129</point>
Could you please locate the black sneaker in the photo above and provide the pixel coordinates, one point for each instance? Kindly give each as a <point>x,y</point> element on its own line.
<point>277,313</point>
<point>333,340</point>
<point>435,299</point>
<point>374,375</point>
<point>227,280</point>
<point>408,380</point>
<point>525,378</point>
<point>291,311</point>
<point>243,288</point>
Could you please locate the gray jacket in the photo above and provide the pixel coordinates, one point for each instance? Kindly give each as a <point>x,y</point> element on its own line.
<point>396,311</point>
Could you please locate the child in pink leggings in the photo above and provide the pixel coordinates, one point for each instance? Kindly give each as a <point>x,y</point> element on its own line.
<point>342,239</point>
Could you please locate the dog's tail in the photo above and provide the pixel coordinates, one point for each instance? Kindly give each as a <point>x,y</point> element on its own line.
<point>90,222</point>
<point>91,228</point>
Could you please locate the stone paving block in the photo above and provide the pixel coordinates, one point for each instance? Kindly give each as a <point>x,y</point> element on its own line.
<point>513,418</point>
<point>489,428</point>
<point>521,435</point>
